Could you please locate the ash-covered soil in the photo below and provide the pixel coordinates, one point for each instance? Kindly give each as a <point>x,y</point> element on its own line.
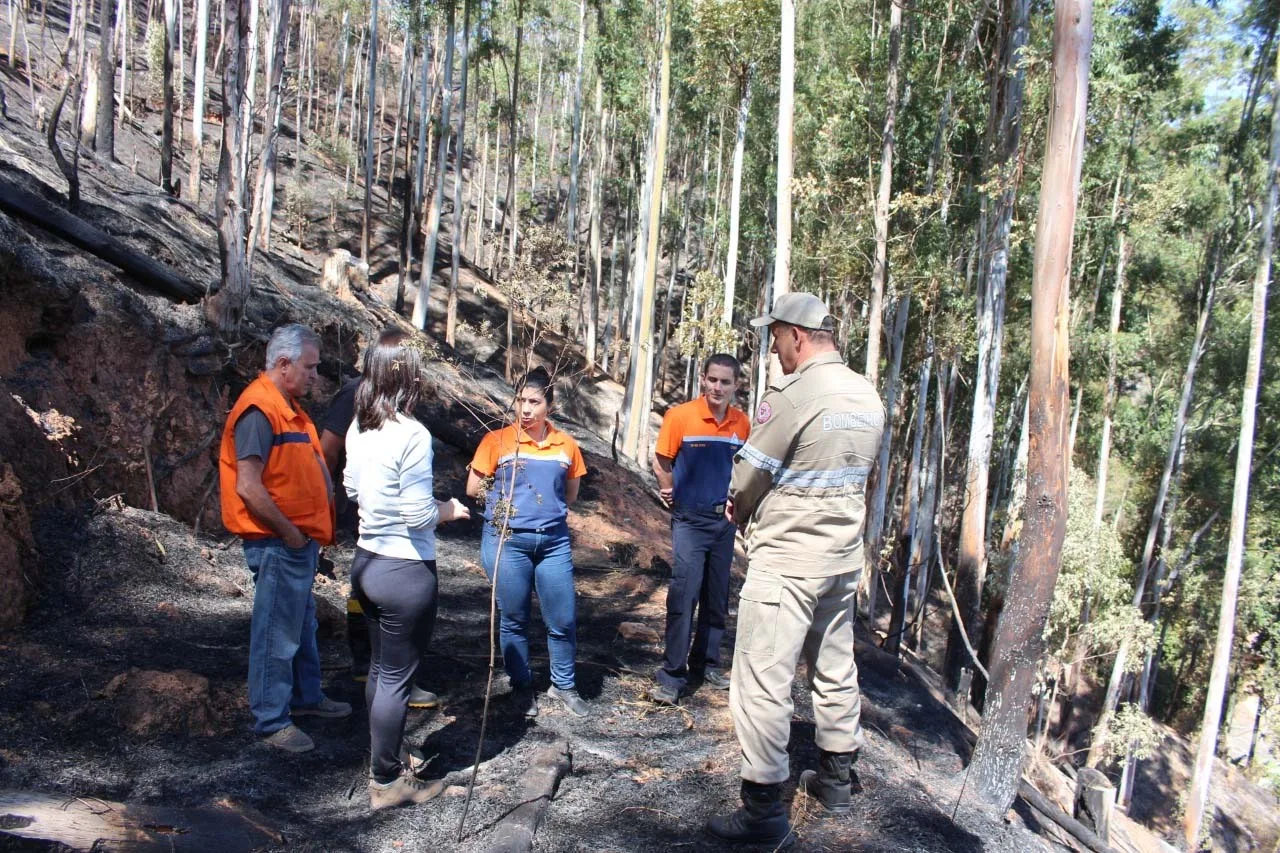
<point>127,684</point>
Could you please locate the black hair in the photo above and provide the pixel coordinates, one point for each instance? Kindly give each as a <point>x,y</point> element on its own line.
<point>393,384</point>
<point>722,359</point>
<point>539,380</point>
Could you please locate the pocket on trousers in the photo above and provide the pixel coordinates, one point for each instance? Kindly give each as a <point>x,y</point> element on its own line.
<point>758,613</point>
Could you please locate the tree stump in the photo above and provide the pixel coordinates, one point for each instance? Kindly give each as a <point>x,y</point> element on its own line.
<point>1095,798</point>
<point>343,273</point>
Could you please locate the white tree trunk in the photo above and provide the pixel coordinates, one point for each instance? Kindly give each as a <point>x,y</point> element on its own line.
<point>1203,773</point>
<point>735,197</point>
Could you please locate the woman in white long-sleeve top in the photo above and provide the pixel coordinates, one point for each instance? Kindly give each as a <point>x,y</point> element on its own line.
<point>394,572</point>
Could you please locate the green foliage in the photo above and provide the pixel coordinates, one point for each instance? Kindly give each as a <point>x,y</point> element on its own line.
<point>701,331</point>
<point>1129,730</point>
<point>1096,579</point>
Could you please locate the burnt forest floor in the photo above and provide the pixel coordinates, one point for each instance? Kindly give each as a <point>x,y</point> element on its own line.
<point>137,591</point>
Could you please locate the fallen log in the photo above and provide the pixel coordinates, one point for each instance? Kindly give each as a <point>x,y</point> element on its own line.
<point>87,823</point>
<point>1073,827</point>
<point>537,786</point>
<point>147,271</point>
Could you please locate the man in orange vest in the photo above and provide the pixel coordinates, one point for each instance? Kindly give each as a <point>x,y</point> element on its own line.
<point>277,496</point>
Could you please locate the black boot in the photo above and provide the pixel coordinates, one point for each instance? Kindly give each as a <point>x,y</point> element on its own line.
<point>831,783</point>
<point>761,820</point>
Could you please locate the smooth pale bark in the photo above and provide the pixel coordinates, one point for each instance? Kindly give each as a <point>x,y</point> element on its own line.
<point>104,141</point>
<point>595,240</point>
<point>971,565</point>
<point>1109,400</point>
<point>575,151</point>
<point>735,195</point>
<point>640,381</point>
<point>786,117</point>
<point>997,762</point>
<point>1203,772</point>
<point>459,210</point>
<point>874,530</point>
<point>264,197</point>
<point>342,70</point>
<point>226,307</point>
<point>510,210</point>
<point>437,195</point>
<point>166,125</point>
<point>197,107</point>
<point>370,105</point>
<point>880,263</point>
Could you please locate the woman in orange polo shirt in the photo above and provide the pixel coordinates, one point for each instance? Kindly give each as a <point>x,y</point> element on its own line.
<point>528,474</point>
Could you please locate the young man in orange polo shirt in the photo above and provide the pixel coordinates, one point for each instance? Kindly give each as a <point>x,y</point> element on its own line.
<point>693,462</point>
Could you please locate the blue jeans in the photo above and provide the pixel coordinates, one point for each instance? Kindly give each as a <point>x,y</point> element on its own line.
<point>284,662</point>
<point>541,560</point>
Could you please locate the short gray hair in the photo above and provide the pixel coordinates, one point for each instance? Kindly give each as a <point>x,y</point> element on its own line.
<point>288,342</point>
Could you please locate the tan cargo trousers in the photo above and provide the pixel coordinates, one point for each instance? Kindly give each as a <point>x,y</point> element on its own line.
<point>779,618</point>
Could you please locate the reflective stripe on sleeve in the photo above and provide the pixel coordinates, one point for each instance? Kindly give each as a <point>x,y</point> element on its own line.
<point>759,460</point>
<point>835,478</point>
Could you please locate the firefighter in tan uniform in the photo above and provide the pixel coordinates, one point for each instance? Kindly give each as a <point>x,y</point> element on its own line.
<point>798,485</point>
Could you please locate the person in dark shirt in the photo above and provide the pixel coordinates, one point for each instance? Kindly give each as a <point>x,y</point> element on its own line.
<point>333,438</point>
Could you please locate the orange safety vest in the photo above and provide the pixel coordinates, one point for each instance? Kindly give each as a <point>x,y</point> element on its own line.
<point>295,474</point>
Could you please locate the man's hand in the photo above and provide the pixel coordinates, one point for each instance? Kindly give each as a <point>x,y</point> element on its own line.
<point>728,511</point>
<point>297,539</point>
<point>453,510</point>
<point>666,495</point>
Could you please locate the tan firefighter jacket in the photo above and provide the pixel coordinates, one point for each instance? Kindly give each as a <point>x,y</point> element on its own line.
<point>799,482</point>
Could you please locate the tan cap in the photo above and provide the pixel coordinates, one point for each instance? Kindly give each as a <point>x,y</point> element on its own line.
<point>798,309</point>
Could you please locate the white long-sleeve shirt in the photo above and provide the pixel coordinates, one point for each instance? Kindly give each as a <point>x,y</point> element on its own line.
<point>388,474</point>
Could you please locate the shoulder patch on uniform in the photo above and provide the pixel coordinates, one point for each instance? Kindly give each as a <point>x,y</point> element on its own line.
<point>763,413</point>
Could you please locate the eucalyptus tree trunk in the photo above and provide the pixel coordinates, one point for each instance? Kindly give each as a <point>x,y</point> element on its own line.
<point>1119,665</point>
<point>971,566</point>
<point>595,240</point>
<point>451,312</point>
<point>786,116</point>
<point>873,532</point>
<point>575,151</point>
<point>1203,773</point>
<point>370,112</point>
<point>166,126</point>
<point>197,105</point>
<point>1109,400</point>
<point>639,382</point>
<point>442,165</point>
<point>511,208</point>
<point>413,197</point>
<point>404,93</point>
<point>226,307</point>
<point>342,70</point>
<point>735,194</point>
<point>880,264</point>
<point>997,762</point>
<point>104,141</point>
<point>264,197</point>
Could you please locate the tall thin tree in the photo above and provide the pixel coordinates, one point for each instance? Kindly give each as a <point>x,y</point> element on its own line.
<point>1019,642</point>
<point>1208,744</point>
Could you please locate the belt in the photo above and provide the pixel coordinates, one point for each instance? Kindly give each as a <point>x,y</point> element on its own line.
<point>544,529</point>
<point>716,509</point>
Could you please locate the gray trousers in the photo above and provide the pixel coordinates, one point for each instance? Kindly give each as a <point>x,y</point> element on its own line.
<point>780,618</point>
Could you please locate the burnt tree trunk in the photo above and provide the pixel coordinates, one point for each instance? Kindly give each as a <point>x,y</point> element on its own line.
<point>1019,642</point>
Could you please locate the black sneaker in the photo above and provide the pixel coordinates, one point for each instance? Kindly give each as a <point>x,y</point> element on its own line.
<point>571,700</point>
<point>713,677</point>
<point>661,694</point>
<point>525,698</point>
